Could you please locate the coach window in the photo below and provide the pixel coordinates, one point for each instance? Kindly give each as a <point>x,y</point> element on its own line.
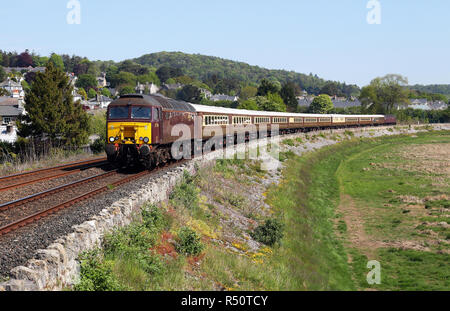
<point>141,113</point>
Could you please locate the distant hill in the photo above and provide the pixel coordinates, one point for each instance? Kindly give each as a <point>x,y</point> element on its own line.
<point>202,67</point>
<point>443,89</point>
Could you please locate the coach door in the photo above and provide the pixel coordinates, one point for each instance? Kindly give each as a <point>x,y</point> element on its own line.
<point>157,125</point>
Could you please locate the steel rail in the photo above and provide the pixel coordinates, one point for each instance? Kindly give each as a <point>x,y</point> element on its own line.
<point>30,219</point>
<point>50,169</point>
<point>34,197</point>
<point>22,184</point>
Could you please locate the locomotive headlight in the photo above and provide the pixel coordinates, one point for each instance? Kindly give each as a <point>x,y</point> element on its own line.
<point>141,139</point>
<point>146,140</point>
<point>112,139</point>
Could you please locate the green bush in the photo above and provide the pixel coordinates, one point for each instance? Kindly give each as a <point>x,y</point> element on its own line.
<point>189,242</point>
<point>270,233</point>
<point>154,218</point>
<point>128,240</point>
<point>98,146</point>
<point>96,274</point>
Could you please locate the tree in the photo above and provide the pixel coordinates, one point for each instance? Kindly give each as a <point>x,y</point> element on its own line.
<point>165,72</point>
<point>321,104</point>
<point>382,94</point>
<point>30,76</point>
<point>274,103</point>
<point>83,93</point>
<point>248,105</point>
<point>51,111</point>
<point>248,92</point>
<point>288,94</point>
<point>267,87</point>
<point>134,68</point>
<point>122,79</point>
<point>24,59</point>
<point>330,89</point>
<point>92,93</point>
<point>127,89</point>
<point>190,93</point>
<point>39,61</point>
<point>2,74</point>
<point>57,61</point>
<point>86,81</point>
<point>106,92</point>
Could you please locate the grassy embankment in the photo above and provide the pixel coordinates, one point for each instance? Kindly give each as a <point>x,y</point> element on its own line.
<point>341,207</point>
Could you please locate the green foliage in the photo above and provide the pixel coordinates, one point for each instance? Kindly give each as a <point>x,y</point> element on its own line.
<point>190,93</point>
<point>83,93</point>
<point>321,104</point>
<point>86,81</point>
<point>154,218</point>
<point>443,89</point>
<point>98,146</point>
<point>248,92</point>
<point>288,95</point>
<point>166,72</point>
<point>267,87</point>
<point>128,240</point>
<point>423,116</point>
<point>121,79</point>
<point>213,70</point>
<point>97,125</point>
<point>128,89</point>
<point>52,112</point>
<point>57,61</point>
<point>185,194</point>
<point>383,93</point>
<point>2,74</point>
<point>92,93</point>
<point>248,105</point>
<point>189,242</point>
<point>96,274</point>
<point>270,233</point>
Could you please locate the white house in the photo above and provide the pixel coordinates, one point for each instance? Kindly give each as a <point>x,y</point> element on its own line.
<point>15,88</point>
<point>10,110</point>
<point>99,102</point>
<point>218,97</point>
<point>152,88</point>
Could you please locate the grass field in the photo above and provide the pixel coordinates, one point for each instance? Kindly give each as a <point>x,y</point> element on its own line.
<point>384,199</point>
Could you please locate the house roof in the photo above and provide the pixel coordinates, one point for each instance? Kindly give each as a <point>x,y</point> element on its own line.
<point>9,101</point>
<point>10,111</point>
<point>8,83</point>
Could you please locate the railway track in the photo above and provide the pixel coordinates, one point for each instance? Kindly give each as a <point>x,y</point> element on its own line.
<point>22,212</point>
<point>23,179</point>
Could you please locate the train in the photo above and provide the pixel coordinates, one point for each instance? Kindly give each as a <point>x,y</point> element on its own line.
<point>143,129</point>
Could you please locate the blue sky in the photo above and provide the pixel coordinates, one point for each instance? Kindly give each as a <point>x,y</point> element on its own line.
<point>330,38</point>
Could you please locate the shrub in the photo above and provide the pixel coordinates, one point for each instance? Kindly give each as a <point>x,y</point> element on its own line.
<point>270,233</point>
<point>128,240</point>
<point>96,274</point>
<point>349,133</point>
<point>98,146</point>
<point>189,242</point>
<point>154,218</point>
